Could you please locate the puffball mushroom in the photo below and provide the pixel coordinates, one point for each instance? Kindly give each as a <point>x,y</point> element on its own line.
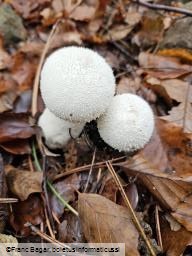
<point>77,84</point>
<point>58,132</point>
<point>127,124</point>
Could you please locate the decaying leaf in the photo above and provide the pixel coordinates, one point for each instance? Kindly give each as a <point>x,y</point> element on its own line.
<point>23,183</point>
<point>162,67</point>
<point>14,126</point>
<point>165,169</point>
<point>23,71</point>
<point>118,32</point>
<point>104,221</point>
<point>152,29</point>
<point>174,242</point>
<point>182,116</point>
<point>30,210</point>
<point>17,147</point>
<point>167,155</point>
<point>84,12</point>
<point>66,189</point>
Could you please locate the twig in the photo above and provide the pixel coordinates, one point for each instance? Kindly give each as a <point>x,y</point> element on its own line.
<point>45,236</point>
<point>61,199</point>
<point>90,171</point>
<point>37,76</point>
<point>85,167</point>
<point>164,7</point>
<point>48,224</point>
<point>47,204</point>
<point>8,200</point>
<point>134,217</point>
<point>158,228</point>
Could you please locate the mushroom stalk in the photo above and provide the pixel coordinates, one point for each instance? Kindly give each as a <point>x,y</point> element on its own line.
<point>58,132</point>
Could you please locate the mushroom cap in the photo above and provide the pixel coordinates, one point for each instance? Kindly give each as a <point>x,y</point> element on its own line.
<point>127,124</point>
<point>56,131</point>
<point>77,84</point>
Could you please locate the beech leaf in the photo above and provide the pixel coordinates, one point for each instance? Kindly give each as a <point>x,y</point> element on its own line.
<point>106,222</point>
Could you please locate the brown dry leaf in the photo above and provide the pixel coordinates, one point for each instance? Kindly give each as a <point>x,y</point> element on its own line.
<point>179,91</point>
<point>17,147</point>
<point>171,89</point>
<point>118,32</point>
<point>66,34</point>
<point>33,48</point>
<point>5,59</point>
<point>133,18</point>
<point>8,92</point>
<point>167,155</point>
<point>152,28</point>
<point>30,210</point>
<point>14,126</point>
<point>182,116</point>
<point>23,71</point>
<point>174,196</point>
<point>66,188</point>
<point>29,9</point>
<point>104,221</point>
<point>174,242</point>
<point>164,166</point>
<point>23,183</point>
<point>162,67</point>
<point>84,12</point>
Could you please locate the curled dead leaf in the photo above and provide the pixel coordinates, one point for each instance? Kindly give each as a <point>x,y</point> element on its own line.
<point>24,183</point>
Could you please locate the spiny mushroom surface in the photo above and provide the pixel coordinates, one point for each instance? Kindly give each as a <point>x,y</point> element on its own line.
<point>77,84</point>
<point>58,132</point>
<point>127,124</point>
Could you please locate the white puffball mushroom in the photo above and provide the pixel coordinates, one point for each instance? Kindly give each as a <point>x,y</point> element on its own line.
<point>58,132</point>
<point>128,123</point>
<point>77,84</point>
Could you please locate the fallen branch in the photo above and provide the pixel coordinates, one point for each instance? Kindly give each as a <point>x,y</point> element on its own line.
<point>164,7</point>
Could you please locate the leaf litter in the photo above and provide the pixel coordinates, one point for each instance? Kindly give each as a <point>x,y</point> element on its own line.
<point>130,37</point>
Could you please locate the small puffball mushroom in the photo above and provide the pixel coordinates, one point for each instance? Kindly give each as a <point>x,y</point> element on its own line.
<point>77,84</point>
<point>127,124</point>
<point>58,132</point>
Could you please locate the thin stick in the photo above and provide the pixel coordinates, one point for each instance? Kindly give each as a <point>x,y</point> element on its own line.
<point>164,7</point>
<point>8,200</point>
<point>158,228</point>
<point>37,76</point>
<point>134,217</point>
<point>55,218</point>
<point>45,236</point>
<point>90,171</point>
<point>85,167</point>
<point>48,224</point>
<point>65,204</point>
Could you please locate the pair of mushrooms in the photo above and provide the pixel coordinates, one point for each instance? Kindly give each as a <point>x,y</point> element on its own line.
<point>77,86</point>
